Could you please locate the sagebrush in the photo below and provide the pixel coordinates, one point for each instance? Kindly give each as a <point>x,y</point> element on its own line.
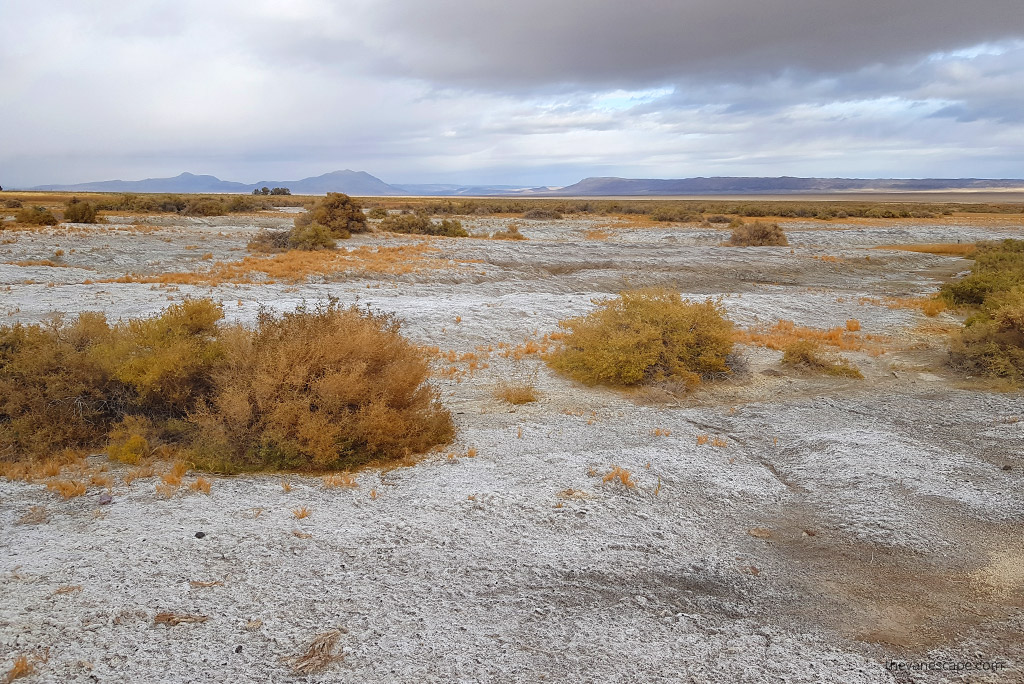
<point>644,336</point>
<point>312,390</point>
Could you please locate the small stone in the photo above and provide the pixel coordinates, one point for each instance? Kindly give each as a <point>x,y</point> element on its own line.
<point>1007,467</point>
<point>105,498</point>
<point>200,535</point>
<point>238,649</point>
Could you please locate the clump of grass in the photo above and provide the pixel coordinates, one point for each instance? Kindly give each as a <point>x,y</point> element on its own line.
<point>67,489</point>
<point>201,484</point>
<point>758,234</point>
<point>853,325</point>
<point>302,512</point>
<point>510,233</point>
<point>645,336</point>
<point>619,473</point>
<point>340,481</point>
<point>516,392</point>
<point>808,354</point>
<point>22,667</point>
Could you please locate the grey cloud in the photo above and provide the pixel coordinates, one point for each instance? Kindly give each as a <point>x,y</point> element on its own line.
<point>492,45</point>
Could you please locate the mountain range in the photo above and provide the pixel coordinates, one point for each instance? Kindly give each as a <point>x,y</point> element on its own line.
<point>362,184</point>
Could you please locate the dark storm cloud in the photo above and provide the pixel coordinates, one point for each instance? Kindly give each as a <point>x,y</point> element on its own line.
<point>494,45</point>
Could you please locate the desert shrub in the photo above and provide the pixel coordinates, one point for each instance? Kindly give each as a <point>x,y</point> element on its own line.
<point>54,394</point>
<point>377,213</point>
<point>12,204</point>
<point>312,390</point>
<point>542,214</point>
<point>673,214</point>
<point>269,241</point>
<point>76,211</point>
<point>992,340</point>
<point>204,206</point>
<point>317,390</point>
<point>644,336</point>
<point>166,360</point>
<point>808,354</point>
<point>718,218</point>
<point>36,216</point>
<point>338,213</point>
<point>758,234</point>
<point>510,233</point>
<point>998,267</point>
<point>312,237</point>
<point>129,441</point>
<point>420,224</point>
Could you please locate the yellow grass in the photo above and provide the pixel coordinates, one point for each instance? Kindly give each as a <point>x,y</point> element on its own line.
<point>297,265</point>
<point>340,480</point>
<point>941,248</point>
<point>786,332</point>
<point>620,474</point>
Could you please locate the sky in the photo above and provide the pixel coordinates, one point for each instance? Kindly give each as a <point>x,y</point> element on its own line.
<point>527,93</point>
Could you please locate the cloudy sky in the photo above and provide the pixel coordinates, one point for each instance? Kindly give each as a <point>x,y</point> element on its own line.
<point>531,92</point>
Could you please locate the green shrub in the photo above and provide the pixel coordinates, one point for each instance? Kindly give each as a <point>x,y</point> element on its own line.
<point>643,336</point>
<point>419,224</point>
<point>991,342</point>
<point>312,237</point>
<point>36,216</point>
<point>998,267</point>
<point>758,234</point>
<point>76,211</point>
<point>338,213</point>
<point>318,390</point>
<point>807,354</point>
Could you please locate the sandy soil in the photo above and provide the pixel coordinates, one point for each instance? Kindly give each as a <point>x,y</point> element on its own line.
<point>844,524</point>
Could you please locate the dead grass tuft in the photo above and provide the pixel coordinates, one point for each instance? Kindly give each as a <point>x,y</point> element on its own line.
<point>318,655</point>
<point>300,513</point>
<point>22,667</point>
<point>758,234</point>
<point>340,481</point>
<point>807,354</point>
<point>200,485</point>
<point>622,475</point>
<point>68,489</point>
<point>786,332</point>
<point>175,619</point>
<point>516,392</point>
<point>35,515</point>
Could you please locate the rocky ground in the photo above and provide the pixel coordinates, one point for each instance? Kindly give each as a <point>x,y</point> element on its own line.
<point>838,526</point>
